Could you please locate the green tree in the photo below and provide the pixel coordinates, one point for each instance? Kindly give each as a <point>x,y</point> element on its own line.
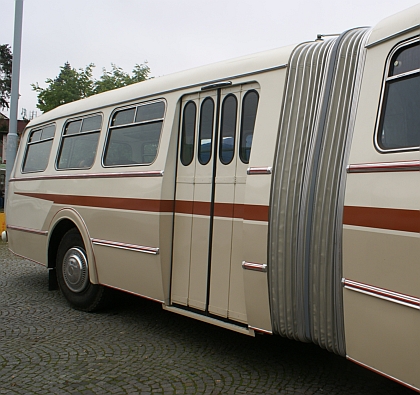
<point>117,77</point>
<point>5,75</point>
<point>72,84</point>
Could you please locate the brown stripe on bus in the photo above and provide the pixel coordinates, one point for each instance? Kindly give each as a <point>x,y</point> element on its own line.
<point>253,212</point>
<point>105,202</point>
<point>227,210</point>
<point>382,218</point>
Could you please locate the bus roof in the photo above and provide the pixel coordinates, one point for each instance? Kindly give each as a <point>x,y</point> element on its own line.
<point>221,71</point>
<point>395,25</point>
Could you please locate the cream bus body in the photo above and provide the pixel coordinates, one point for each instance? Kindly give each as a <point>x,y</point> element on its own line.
<point>312,234</point>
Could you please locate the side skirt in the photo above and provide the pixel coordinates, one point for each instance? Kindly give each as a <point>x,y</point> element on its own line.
<point>209,320</point>
<point>383,374</point>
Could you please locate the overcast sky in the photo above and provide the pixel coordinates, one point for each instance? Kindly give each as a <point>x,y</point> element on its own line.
<point>172,35</point>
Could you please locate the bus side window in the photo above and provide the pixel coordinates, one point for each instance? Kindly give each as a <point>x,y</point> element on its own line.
<point>38,149</point>
<point>205,134</point>
<point>79,143</point>
<point>188,133</point>
<point>399,126</point>
<point>134,135</point>
<point>249,113</point>
<point>228,129</point>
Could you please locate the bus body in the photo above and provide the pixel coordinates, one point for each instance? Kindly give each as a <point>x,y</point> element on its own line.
<point>276,193</point>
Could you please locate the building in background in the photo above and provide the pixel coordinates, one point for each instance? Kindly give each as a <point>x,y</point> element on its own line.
<point>4,129</point>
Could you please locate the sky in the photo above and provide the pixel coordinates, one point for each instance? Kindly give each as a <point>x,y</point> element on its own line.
<point>171,35</point>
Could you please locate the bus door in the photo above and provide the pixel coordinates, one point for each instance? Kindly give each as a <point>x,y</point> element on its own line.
<point>213,158</point>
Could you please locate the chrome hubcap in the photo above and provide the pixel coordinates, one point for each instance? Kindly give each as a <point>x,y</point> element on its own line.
<point>75,269</point>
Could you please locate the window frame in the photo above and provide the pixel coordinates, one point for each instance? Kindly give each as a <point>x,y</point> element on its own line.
<point>29,143</point>
<point>134,123</point>
<point>80,133</point>
<point>384,96</point>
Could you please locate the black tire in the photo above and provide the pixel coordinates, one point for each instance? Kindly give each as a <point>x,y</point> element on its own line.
<point>73,274</point>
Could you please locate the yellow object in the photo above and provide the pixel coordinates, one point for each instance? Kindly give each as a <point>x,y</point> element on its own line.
<point>2,222</point>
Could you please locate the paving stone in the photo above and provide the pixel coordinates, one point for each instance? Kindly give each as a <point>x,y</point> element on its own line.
<point>135,347</point>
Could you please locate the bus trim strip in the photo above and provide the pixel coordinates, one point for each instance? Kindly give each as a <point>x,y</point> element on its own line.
<point>259,170</point>
<point>382,293</point>
<point>123,246</point>
<point>28,230</point>
<point>150,173</point>
<point>413,165</point>
<point>259,267</point>
<point>255,329</point>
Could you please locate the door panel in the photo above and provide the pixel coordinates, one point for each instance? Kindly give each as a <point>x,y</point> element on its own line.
<point>201,226</point>
<point>207,255</point>
<point>183,221</point>
<point>224,203</point>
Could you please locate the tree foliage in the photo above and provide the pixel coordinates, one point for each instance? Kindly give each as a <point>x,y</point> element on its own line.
<point>117,77</point>
<point>72,84</point>
<point>5,75</point>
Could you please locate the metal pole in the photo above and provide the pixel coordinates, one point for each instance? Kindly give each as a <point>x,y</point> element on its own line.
<point>12,137</point>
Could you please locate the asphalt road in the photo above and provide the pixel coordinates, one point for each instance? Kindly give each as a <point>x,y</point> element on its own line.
<point>135,347</point>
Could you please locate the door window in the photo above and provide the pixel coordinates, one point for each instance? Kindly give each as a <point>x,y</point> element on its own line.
<point>188,133</point>
<point>249,113</point>
<point>227,129</point>
<point>205,137</point>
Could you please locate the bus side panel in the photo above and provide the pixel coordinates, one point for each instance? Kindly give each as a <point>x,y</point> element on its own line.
<point>390,260</point>
<point>255,282</point>
<point>381,242</point>
<point>145,274</point>
<point>256,201</point>
<point>28,245</point>
<point>113,231</point>
<point>383,336</point>
<point>28,215</point>
<point>168,150</point>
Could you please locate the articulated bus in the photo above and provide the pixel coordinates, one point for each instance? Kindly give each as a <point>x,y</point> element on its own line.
<point>277,193</point>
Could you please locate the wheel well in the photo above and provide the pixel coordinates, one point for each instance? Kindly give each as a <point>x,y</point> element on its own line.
<point>59,231</point>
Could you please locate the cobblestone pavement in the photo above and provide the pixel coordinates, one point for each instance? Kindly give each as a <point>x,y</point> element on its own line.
<point>137,348</point>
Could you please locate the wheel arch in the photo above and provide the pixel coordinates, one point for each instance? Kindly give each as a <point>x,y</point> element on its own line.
<point>63,221</point>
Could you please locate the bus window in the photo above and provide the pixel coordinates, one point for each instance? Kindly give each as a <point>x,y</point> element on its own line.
<point>149,151</point>
<point>134,134</point>
<point>249,113</point>
<point>79,143</point>
<point>119,152</point>
<point>38,149</point>
<point>123,117</point>
<point>188,133</point>
<point>400,119</point>
<point>228,128</point>
<point>150,111</point>
<point>205,137</point>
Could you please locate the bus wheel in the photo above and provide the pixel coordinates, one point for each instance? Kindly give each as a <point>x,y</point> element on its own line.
<point>73,274</point>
